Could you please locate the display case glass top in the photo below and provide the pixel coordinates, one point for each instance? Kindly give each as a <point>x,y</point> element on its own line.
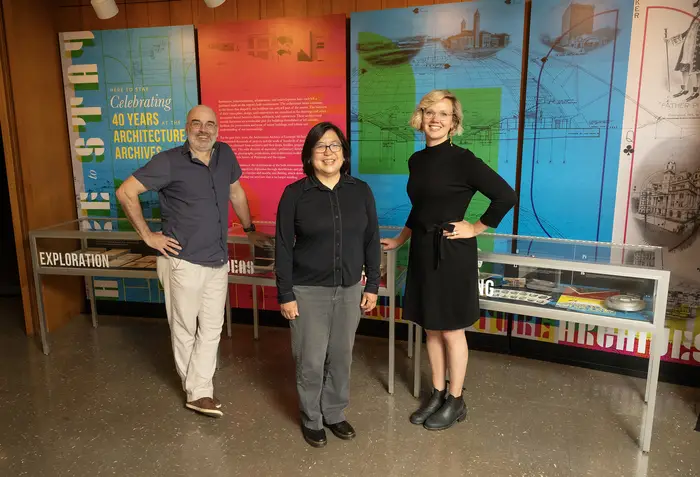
<point>643,256</point>
<point>86,226</point>
<point>259,260</point>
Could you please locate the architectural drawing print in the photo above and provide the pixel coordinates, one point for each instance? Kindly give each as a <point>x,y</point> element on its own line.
<point>281,42</point>
<point>658,195</point>
<point>688,58</point>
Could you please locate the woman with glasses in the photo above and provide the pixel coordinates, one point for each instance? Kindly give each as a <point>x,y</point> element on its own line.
<point>327,231</point>
<point>442,278</point>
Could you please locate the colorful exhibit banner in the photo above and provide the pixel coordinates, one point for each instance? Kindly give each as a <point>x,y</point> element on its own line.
<point>658,187</point>
<point>683,342</point>
<point>398,55</point>
<point>269,82</point>
<point>573,117</point>
<point>127,96</point>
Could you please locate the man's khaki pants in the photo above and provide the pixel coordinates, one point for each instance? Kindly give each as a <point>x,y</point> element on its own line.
<point>195,301</point>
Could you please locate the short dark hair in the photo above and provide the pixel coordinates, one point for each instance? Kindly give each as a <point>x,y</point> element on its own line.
<point>314,135</point>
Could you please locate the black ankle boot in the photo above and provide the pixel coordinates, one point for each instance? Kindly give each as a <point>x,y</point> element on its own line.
<point>426,410</point>
<point>452,411</point>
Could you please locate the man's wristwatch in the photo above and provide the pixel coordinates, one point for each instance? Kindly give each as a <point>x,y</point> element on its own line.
<point>249,229</point>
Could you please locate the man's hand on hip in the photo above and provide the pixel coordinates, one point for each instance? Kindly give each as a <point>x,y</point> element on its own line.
<point>165,245</point>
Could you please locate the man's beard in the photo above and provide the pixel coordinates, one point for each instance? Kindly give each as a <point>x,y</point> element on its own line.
<point>203,141</point>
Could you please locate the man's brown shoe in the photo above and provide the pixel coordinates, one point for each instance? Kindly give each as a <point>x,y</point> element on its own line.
<point>205,406</point>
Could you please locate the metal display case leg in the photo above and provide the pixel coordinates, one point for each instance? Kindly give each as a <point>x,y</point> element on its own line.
<point>39,298</point>
<point>657,349</point>
<point>255,312</point>
<point>42,314</point>
<point>659,344</point>
<point>90,284</point>
<point>392,343</point>
<point>228,311</point>
<point>650,371</point>
<point>410,339</point>
<point>418,337</point>
<point>391,289</point>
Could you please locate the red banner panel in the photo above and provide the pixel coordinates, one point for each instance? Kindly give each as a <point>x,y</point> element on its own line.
<point>269,82</point>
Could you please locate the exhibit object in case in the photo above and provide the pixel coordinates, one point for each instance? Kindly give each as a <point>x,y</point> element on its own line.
<point>616,286</point>
<point>104,249</point>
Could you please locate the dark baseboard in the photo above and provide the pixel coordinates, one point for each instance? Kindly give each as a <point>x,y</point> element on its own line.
<point>10,290</point>
<point>673,373</point>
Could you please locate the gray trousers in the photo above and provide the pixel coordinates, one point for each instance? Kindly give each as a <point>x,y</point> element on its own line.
<point>323,336</point>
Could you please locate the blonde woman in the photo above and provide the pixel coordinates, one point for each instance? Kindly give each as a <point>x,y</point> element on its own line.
<point>441,287</point>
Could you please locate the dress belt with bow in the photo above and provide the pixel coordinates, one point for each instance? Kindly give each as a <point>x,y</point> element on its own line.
<point>438,239</point>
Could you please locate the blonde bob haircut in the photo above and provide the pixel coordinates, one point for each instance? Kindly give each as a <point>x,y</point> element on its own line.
<point>433,97</point>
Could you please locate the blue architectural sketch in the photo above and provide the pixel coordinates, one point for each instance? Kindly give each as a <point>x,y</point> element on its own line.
<point>575,98</point>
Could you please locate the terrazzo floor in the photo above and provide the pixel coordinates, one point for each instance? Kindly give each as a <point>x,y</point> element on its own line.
<point>107,401</point>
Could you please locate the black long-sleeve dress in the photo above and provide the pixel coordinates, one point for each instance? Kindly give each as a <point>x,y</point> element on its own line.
<point>442,278</point>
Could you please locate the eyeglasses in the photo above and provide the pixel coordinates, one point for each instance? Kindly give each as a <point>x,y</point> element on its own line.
<point>431,114</point>
<point>321,148</point>
<point>197,124</point>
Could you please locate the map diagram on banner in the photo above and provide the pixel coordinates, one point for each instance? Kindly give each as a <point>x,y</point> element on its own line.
<point>127,96</point>
<point>473,49</point>
<point>576,80</point>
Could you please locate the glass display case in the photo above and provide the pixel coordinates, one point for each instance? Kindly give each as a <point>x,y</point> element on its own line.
<point>611,285</point>
<point>101,250</point>
<point>602,279</point>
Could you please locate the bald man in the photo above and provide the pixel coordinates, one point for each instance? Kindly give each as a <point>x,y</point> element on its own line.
<point>194,182</point>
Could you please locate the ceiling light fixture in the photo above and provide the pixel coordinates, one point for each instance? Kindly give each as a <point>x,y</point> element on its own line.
<point>105,8</point>
<point>213,3</point>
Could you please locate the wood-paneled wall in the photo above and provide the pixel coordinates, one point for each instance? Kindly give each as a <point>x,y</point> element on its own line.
<point>35,140</point>
<point>79,15</point>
